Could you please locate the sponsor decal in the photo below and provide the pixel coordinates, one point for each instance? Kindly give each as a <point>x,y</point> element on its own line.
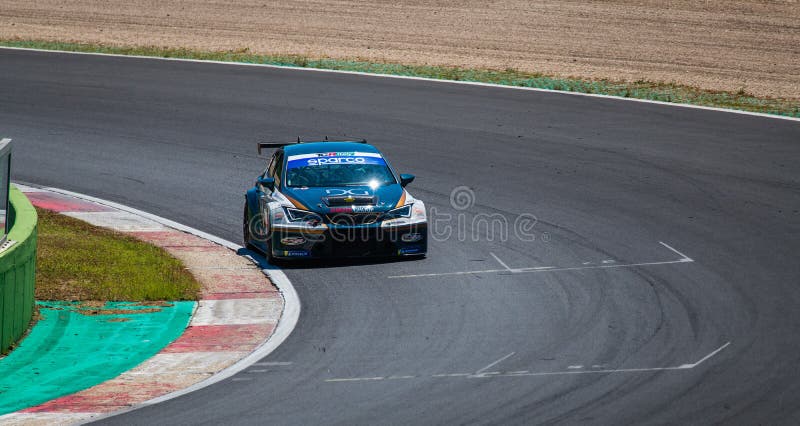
<point>341,210</point>
<point>332,158</point>
<point>411,237</point>
<point>324,161</point>
<point>335,154</point>
<point>352,209</point>
<point>409,250</point>
<point>295,253</point>
<point>293,241</point>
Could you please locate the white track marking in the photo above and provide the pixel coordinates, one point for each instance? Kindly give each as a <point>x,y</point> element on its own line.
<point>481,371</point>
<point>622,265</point>
<point>503,264</point>
<point>687,258</point>
<point>683,259</point>
<point>356,379</point>
<point>572,369</point>
<point>482,271</point>
<point>541,269</point>
<point>707,357</point>
<point>404,77</point>
<point>569,372</point>
<point>628,370</point>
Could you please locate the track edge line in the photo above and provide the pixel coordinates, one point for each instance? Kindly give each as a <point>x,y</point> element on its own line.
<point>406,77</point>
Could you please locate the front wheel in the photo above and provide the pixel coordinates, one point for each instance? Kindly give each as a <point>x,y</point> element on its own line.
<point>246,234</point>
<point>246,226</point>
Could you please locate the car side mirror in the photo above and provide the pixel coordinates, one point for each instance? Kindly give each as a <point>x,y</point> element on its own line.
<point>405,179</point>
<point>267,182</point>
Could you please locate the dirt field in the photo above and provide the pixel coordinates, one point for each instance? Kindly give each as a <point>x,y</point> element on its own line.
<point>726,45</point>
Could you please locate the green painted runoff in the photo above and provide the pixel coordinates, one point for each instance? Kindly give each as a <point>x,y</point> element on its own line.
<point>67,351</point>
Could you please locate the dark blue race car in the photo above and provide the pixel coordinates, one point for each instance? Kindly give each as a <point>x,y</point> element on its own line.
<point>332,199</point>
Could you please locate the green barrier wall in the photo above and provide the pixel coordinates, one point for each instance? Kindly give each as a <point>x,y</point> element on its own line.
<point>17,271</point>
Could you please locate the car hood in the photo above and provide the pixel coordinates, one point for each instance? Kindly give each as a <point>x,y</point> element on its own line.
<point>347,198</point>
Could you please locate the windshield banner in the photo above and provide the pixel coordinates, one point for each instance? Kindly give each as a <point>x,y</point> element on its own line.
<point>328,158</point>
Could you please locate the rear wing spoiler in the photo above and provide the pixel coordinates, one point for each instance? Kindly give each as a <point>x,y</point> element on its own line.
<point>272,145</point>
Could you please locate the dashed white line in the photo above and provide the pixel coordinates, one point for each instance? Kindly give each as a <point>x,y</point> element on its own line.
<point>355,379</point>
<point>606,264</point>
<point>542,269</point>
<point>482,271</point>
<point>572,369</point>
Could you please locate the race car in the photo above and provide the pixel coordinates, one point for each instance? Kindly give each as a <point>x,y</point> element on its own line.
<point>328,199</point>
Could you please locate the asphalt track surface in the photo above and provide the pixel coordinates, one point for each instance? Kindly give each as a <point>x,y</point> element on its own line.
<point>608,180</point>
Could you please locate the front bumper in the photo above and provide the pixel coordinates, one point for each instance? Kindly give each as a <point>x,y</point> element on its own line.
<point>351,242</point>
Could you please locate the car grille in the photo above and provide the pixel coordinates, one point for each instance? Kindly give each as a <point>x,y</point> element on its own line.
<point>354,219</point>
<point>350,200</point>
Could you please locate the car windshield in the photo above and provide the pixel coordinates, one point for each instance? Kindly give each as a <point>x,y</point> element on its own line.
<point>338,169</point>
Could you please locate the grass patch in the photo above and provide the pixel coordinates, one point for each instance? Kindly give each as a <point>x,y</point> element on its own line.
<point>79,261</point>
<point>657,91</point>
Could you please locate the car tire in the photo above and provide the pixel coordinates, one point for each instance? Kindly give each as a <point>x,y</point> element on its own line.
<point>246,229</point>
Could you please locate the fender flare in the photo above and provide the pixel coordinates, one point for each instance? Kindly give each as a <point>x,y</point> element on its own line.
<point>251,199</point>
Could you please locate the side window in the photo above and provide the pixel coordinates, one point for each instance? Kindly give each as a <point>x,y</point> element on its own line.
<point>271,168</point>
<point>278,167</point>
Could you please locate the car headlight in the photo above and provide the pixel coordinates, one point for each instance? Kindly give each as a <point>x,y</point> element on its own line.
<point>408,214</point>
<point>297,215</point>
<point>418,213</point>
<point>404,211</point>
